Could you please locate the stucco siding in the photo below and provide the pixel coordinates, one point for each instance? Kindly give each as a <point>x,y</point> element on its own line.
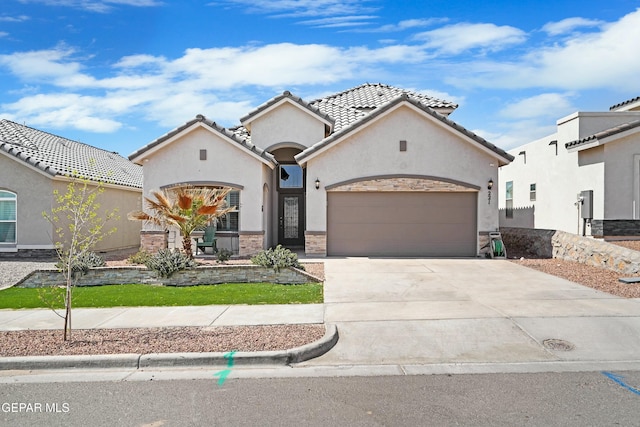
<point>432,150</point>
<point>622,159</point>
<point>34,195</point>
<point>127,234</point>
<point>179,162</point>
<point>558,179</point>
<point>276,126</point>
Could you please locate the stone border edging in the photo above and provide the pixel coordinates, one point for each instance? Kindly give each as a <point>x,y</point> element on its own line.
<point>159,360</point>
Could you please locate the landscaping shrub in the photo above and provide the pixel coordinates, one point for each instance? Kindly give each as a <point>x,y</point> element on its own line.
<point>224,255</point>
<point>84,262</point>
<point>141,257</point>
<point>167,262</point>
<point>277,258</point>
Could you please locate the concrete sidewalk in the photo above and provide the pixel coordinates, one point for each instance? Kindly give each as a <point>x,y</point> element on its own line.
<point>148,317</point>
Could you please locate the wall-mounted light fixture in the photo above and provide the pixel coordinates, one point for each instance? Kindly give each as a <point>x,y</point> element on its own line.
<point>556,144</point>
<point>523,153</point>
<point>317,184</point>
<point>490,184</point>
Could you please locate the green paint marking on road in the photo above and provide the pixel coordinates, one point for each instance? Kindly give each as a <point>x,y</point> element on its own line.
<point>225,373</point>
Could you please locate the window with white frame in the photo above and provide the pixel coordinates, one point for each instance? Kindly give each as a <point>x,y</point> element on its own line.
<point>8,216</point>
<point>229,221</point>
<point>509,199</point>
<point>532,192</point>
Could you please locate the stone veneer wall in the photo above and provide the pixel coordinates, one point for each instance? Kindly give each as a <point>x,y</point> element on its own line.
<point>611,228</point>
<point>205,275</point>
<point>30,254</point>
<point>250,243</point>
<point>402,184</point>
<point>571,247</point>
<point>153,241</point>
<point>315,243</point>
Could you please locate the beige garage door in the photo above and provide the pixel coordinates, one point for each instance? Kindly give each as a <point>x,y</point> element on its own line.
<point>402,224</point>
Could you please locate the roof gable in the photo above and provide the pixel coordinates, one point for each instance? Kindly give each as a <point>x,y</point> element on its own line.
<point>202,121</point>
<point>365,120</point>
<point>604,136</point>
<point>58,156</point>
<point>276,102</point>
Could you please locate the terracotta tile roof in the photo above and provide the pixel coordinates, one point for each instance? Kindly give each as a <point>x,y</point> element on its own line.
<point>235,134</point>
<point>604,134</point>
<point>630,101</point>
<point>353,104</point>
<point>404,97</point>
<point>56,155</point>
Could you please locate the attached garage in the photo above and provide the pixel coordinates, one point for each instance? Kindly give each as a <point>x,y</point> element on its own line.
<point>430,224</point>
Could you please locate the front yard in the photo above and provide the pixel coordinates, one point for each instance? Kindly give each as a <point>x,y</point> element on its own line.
<point>149,295</point>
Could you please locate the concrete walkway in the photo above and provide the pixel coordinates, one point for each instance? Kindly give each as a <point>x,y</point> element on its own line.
<point>455,311</point>
<point>148,317</point>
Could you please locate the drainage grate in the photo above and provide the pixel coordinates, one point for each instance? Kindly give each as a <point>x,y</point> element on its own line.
<point>558,345</point>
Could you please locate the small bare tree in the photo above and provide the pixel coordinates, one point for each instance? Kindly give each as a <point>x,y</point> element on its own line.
<point>79,226</point>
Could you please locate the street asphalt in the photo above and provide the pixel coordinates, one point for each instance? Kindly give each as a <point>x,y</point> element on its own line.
<point>397,317</point>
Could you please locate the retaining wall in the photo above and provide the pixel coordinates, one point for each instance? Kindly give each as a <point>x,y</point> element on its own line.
<point>204,275</point>
<point>571,247</point>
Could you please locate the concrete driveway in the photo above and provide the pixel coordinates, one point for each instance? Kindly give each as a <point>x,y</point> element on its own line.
<point>412,312</point>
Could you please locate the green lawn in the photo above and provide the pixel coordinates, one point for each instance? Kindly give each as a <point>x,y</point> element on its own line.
<point>147,295</point>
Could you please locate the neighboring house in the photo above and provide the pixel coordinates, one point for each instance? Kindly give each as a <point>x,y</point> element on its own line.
<point>371,171</point>
<point>34,163</point>
<point>583,179</point>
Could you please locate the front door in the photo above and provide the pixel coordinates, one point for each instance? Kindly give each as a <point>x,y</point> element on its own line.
<point>291,219</point>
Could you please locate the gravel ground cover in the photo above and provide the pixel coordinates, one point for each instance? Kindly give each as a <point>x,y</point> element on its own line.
<point>158,340</point>
<point>593,277</point>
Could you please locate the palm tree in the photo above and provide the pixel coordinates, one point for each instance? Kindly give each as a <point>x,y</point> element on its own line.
<point>187,208</point>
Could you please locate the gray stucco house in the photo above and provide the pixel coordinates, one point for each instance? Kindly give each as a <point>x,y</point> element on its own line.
<point>583,179</point>
<point>34,163</point>
<point>371,171</point>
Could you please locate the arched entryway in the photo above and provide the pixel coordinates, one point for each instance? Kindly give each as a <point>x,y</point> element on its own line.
<point>289,203</point>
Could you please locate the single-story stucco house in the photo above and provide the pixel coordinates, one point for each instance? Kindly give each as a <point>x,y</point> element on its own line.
<point>34,163</point>
<point>371,171</point>
<point>583,179</point>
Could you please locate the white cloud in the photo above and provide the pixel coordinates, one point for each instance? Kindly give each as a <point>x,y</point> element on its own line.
<point>300,8</point>
<point>546,105</point>
<point>568,25</point>
<point>20,18</point>
<point>339,21</point>
<point>99,6</point>
<point>407,24</point>
<point>604,59</point>
<point>3,34</point>
<point>166,91</point>
<point>457,38</point>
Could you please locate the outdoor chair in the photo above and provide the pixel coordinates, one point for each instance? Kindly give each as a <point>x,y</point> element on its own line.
<point>207,241</point>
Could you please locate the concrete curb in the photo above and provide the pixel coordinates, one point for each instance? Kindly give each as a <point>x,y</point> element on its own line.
<point>158,360</point>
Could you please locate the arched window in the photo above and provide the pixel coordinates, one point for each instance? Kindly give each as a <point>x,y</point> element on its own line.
<point>8,208</point>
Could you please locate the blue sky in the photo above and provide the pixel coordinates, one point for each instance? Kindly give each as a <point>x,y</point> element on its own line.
<point>117,74</point>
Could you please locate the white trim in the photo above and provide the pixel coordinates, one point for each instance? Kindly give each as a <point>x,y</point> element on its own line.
<point>6,250</point>
<point>150,152</point>
<point>63,178</point>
